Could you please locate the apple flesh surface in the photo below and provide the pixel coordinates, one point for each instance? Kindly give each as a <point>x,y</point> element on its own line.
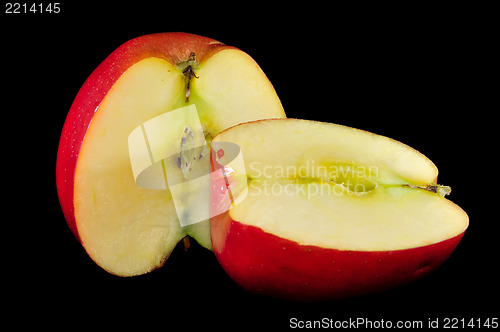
<point>126,229</point>
<point>328,211</point>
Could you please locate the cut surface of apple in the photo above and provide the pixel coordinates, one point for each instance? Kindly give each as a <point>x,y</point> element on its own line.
<point>342,190</point>
<point>126,229</point>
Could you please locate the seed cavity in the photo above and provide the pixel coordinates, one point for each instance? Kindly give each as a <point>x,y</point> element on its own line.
<point>187,154</point>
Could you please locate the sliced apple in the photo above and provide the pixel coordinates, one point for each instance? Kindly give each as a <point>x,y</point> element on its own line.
<point>329,211</point>
<point>126,229</point>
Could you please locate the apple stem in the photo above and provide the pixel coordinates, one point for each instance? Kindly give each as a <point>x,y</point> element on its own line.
<point>433,188</point>
<point>186,243</point>
<point>189,71</point>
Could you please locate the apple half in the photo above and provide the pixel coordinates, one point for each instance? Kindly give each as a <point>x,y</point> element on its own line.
<point>126,229</point>
<point>328,211</point>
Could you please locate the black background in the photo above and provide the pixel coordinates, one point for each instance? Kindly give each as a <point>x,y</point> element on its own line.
<point>422,76</point>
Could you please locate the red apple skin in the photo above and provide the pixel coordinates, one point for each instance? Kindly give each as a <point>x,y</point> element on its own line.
<point>266,264</point>
<point>173,47</point>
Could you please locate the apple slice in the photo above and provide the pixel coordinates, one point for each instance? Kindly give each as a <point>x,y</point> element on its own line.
<point>126,229</point>
<point>329,211</point>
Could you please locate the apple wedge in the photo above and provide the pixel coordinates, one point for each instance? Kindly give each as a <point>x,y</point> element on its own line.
<point>126,229</point>
<point>328,211</point>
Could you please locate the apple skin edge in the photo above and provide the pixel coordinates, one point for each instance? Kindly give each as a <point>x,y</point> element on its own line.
<point>173,47</point>
<point>267,264</point>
